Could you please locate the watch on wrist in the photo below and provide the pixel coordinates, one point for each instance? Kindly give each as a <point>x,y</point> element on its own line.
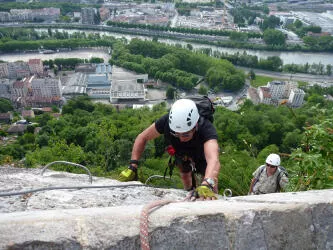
<point>210,182</point>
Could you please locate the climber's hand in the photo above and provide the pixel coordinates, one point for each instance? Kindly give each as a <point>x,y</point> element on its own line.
<point>129,174</point>
<point>202,193</point>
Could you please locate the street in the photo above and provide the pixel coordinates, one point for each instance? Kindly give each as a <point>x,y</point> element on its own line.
<point>291,76</point>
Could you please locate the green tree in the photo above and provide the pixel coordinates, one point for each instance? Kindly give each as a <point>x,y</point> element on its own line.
<point>274,37</point>
<point>270,22</point>
<point>298,24</point>
<point>170,93</point>
<point>96,60</point>
<point>311,164</point>
<point>329,69</point>
<point>202,90</point>
<point>5,105</point>
<point>239,36</point>
<point>252,75</point>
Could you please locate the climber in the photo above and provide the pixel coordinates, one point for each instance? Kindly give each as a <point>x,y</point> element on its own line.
<point>193,141</point>
<point>269,178</point>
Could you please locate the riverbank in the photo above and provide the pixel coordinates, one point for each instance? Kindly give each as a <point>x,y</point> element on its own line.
<point>299,58</point>
<point>85,53</point>
<point>88,53</point>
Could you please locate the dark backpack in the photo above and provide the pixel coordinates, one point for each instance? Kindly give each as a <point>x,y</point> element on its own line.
<point>205,106</point>
<point>281,170</point>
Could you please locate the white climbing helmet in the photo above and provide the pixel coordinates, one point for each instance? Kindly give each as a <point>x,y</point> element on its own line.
<point>273,159</point>
<point>183,115</point>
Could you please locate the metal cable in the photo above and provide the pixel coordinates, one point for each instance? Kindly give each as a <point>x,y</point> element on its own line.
<point>69,187</point>
<point>69,163</point>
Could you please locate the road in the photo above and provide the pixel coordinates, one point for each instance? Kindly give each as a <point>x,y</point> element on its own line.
<point>292,76</point>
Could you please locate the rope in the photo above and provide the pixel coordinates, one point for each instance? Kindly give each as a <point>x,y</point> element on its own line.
<point>144,221</point>
<point>147,209</point>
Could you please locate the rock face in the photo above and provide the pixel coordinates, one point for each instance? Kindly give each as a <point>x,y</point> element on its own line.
<point>115,193</point>
<point>109,218</point>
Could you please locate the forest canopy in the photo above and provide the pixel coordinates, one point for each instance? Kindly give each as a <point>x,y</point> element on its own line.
<point>177,66</point>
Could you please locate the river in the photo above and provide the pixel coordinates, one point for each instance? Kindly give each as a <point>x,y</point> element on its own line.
<point>287,57</point>
<point>78,53</point>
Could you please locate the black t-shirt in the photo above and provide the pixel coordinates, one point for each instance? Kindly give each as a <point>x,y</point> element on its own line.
<point>193,148</point>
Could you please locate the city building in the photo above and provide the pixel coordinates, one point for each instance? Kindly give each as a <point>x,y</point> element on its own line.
<point>264,95</point>
<point>27,114</point>
<point>253,95</point>
<point>23,15</point>
<point>102,68</point>
<point>5,88</point>
<point>277,92</point>
<point>76,85</point>
<point>20,90</point>
<point>18,70</point>
<point>99,83</point>
<point>285,17</point>
<point>36,92</point>
<point>88,15</point>
<point>99,86</point>
<point>36,66</point>
<point>6,117</point>
<point>276,89</point>
<point>127,85</point>
<point>5,17</point>
<point>46,87</point>
<point>296,98</point>
<point>3,70</point>
<point>85,68</point>
<point>104,13</point>
<point>17,129</point>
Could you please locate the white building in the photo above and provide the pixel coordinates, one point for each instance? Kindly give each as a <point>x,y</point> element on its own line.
<point>127,85</point>
<point>296,97</point>
<point>277,89</point>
